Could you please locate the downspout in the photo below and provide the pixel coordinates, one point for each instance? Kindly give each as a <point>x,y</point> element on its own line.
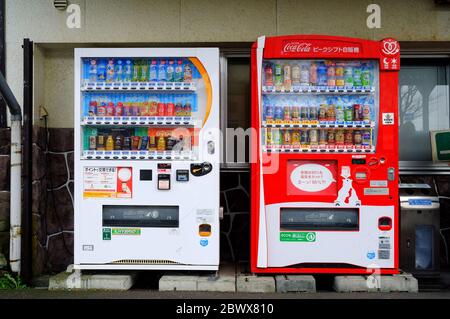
<point>16,172</point>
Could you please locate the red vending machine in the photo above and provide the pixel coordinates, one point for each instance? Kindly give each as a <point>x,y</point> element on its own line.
<point>325,158</point>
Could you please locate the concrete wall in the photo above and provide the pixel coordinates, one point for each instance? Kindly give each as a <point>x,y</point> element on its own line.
<point>175,21</point>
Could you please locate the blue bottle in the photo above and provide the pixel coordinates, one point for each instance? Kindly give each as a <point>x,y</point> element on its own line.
<point>127,71</point>
<point>162,71</point>
<point>101,71</point>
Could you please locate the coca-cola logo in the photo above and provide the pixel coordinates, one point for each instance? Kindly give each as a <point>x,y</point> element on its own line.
<point>390,46</point>
<point>297,47</point>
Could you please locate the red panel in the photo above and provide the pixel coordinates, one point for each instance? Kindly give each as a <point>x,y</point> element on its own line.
<point>276,189</point>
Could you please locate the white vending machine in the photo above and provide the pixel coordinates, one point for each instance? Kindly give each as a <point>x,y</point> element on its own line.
<point>147,158</point>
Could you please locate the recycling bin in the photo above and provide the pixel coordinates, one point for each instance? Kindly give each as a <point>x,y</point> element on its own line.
<point>419,230</point>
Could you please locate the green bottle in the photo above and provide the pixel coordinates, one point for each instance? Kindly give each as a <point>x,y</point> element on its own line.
<point>278,75</point>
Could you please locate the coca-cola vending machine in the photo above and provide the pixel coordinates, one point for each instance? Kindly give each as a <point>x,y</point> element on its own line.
<point>325,157</point>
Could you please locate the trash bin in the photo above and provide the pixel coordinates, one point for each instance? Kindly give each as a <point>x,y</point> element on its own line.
<point>419,230</point>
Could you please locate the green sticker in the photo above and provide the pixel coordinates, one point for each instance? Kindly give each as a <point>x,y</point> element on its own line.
<point>106,233</point>
<point>298,236</point>
<point>126,231</point>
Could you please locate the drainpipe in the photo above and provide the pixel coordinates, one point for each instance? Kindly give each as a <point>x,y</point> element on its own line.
<point>16,171</point>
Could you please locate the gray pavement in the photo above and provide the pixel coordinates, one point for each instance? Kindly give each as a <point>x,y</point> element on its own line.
<point>154,294</point>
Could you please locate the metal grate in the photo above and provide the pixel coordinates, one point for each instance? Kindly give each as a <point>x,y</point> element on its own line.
<point>60,4</point>
<point>145,262</point>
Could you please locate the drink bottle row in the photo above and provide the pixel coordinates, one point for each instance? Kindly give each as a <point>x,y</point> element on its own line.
<point>318,138</point>
<point>138,139</point>
<point>148,108</point>
<point>326,113</point>
<point>285,74</point>
<point>139,70</point>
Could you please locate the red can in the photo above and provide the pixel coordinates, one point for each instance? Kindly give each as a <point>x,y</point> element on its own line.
<point>119,109</point>
<point>161,109</point>
<point>110,109</point>
<point>358,114</point>
<point>170,109</point>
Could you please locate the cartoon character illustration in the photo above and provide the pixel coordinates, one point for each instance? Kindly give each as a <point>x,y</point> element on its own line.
<point>347,195</point>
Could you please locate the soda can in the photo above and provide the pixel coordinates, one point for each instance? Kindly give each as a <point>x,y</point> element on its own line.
<point>365,78</point>
<point>134,109</point>
<point>187,109</point>
<point>126,143</point>
<point>269,141</point>
<point>357,112</point>
<point>348,76</point>
<point>366,140</point>
<point>287,138</point>
<point>179,109</point>
<point>170,110</point>
<point>92,142</point>
<point>304,137</point>
<point>153,108</point>
<point>278,113</point>
<point>268,112</point>
<point>348,113</point>
<point>295,114</point>
<point>339,113</point>
<point>92,108</point>
<point>339,137</point>
<point>313,114</point>
<point>357,138</point>
<point>331,138</point>
<point>331,113</point>
<point>144,107</point>
<point>295,138</point>
<point>277,139</point>
<point>323,112</point>
<point>126,111</point>
<point>348,138</point>
<point>143,143</point>
<point>287,114</point>
<point>313,138</point>
<point>135,140</point>
<point>304,114</point>
<point>323,137</point>
<point>366,116</point>
<point>161,109</point>
<point>100,142</point>
<point>110,109</point>
<point>119,109</point>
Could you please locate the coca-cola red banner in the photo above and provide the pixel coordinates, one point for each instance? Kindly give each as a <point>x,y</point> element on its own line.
<point>319,47</point>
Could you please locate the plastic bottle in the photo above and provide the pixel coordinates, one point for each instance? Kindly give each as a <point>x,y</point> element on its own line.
<point>268,75</point>
<point>187,73</point>
<point>278,75</point>
<point>170,71</point>
<point>313,73</point>
<point>162,71</point>
<point>143,77</point>
<point>101,71</point>
<point>109,143</point>
<point>296,75</point>
<point>287,82</point>
<point>110,70</point>
<point>322,75</point>
<point>118,71</point>
<point>127,71</point>
<point>304,74</point>
<point>179,71</point>
<point>93,70</point>
<point>136,71</point>
<point>153,71</point>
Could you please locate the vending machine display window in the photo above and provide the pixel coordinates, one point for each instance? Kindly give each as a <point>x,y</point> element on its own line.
<point>320,105</point>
